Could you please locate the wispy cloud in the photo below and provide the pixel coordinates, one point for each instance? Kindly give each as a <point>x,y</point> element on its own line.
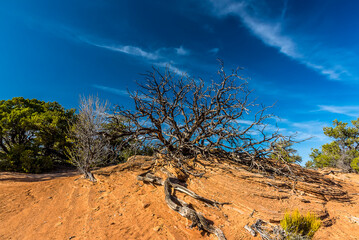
<point>273,33</point>
<point>161,53</point>
<point>352,111</point>
<point>308,125</point>
<point>244,122</point>
<point>130,50</point>
<point>172,68</point>
<point>126,49</point>
<point>303,130</point>
<point>168,57</point>
<point>112,90</point>
<point>284,10</point>
<point>310,132</point>
<point>159,57</point>
<point>213,51</point>
<point>182,51</point>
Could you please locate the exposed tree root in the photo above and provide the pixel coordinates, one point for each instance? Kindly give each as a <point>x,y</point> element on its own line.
<point>266,231</point>
<point>184,209</point>
<point>288,178</point>
<point>294,178</point>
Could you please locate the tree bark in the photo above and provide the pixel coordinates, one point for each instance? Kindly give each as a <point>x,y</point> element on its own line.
<point>88,175</point>
<point>184,209</point>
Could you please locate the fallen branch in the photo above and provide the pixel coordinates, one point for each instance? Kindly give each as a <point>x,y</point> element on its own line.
<point>250,230</point>
<point>258,228</point>
<point>354,219</point>
<point>266,232</point>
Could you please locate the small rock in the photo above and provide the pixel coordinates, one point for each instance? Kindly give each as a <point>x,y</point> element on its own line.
<point>157,228</point>
<point>276,221</point>
<point>146,205</point>
<point>58,224</point>
<point>72,237</point>
<point>354,219</point>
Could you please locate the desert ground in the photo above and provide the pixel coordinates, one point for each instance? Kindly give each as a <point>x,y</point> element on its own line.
<point>118,206</point>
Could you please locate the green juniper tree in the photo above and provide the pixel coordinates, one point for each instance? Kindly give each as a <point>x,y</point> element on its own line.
<point>32,134</point>
<point>343,152</point>
<point>282,150</point>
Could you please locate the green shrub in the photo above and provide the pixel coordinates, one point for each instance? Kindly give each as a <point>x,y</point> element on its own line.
<point>33,134</point>
<point>32,163</point>
<point>355,164</point>
<point>22,158</point>
<point>296,225</point>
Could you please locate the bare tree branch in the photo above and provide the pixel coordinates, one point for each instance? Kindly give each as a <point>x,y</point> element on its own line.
<point>91,147</point>
<point>187,117</point>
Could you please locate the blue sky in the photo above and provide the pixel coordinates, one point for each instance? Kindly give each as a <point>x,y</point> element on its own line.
<point>303,55</point>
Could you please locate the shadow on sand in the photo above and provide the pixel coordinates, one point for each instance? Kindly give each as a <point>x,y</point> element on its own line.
<point>26,177</point>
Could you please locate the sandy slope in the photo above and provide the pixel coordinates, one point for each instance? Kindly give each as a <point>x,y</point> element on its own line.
<point>55,206</point>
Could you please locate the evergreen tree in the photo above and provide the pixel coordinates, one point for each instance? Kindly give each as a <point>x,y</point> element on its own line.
<point>32,134</point>
<point>283,150</point>
<point>343,152</point>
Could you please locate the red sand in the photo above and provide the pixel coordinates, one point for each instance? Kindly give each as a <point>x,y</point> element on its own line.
<point>54,206</point>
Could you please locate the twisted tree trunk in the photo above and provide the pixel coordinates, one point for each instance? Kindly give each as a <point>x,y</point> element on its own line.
<point>184,209</point>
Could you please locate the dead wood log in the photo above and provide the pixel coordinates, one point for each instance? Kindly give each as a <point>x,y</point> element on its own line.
<point>265,231</point>
<point>353,219</point>
<point>178,205</point>
<point>258,228</point>
<point>250,230</point>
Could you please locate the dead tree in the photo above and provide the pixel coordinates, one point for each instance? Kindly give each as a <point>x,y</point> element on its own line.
<point>186,117</point>
<point>91,146</point>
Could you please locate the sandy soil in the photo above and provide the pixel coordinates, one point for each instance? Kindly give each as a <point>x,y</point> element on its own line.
<point>66,206</point>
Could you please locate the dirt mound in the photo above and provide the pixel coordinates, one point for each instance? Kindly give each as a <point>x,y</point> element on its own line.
<point>65,206</point>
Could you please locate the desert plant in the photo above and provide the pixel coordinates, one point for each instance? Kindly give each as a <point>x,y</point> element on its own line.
<point>187,117</point>
<point>187,120</point>
<point>32,134</point>
<point>91,146</point>
<point>343,152</point>
<point>299,226</point>
<point>355,164</point>
<point>282,150</point>
<point>122,147</point>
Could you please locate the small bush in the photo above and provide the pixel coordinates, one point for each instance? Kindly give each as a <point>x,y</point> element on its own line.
<point>27,159</point>
<point>355,164</point>
<point>296,225</point>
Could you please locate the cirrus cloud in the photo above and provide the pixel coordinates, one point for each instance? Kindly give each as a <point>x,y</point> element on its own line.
<point>335,64</point>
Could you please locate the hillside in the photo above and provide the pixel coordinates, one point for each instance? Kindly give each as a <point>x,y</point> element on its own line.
<point>66,206</point>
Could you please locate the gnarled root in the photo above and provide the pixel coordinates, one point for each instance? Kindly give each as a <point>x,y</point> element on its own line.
<point>182,207</point>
